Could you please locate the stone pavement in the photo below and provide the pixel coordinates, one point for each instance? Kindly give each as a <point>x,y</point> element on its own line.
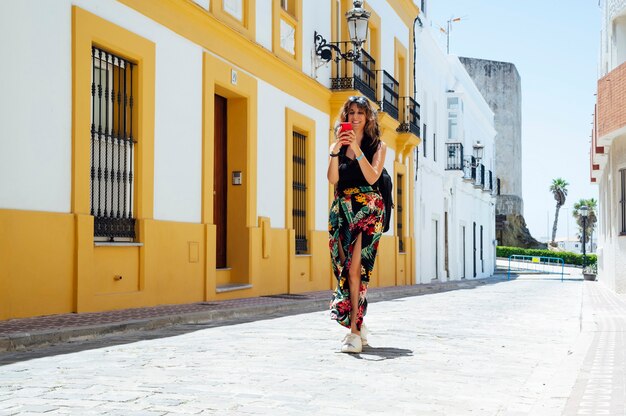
<point>16,334</point>
<point>529,346</point>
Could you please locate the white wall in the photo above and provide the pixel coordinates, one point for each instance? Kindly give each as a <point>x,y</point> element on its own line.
<point>35,105</point>
<point>264,23</point>
<point>35,147</point>
<point>611,248</point>
<point>271,151</point>
<point>178,130</point>
<point>439,191</point>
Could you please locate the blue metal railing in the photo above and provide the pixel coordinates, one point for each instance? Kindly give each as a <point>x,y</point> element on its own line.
<point>536,264</point>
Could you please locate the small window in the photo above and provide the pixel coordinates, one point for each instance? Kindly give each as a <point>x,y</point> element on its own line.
<point>299,191</point>
<point>453,103</point>
<point>453,131</point>
<point>234,8</point>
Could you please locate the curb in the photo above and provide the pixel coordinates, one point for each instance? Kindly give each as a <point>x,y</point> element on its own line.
<point>24,340</point>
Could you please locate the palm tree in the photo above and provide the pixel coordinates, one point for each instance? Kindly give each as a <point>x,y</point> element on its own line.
<point>592,218</point>
<point>559,190</point>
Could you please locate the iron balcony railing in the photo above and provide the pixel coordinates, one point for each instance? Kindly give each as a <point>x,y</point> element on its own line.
<point>454,156</point>
<point>489,181</point>
<point>414,118</point>
<point>390,94</point>
<point>358,75</point>
<point>480,176</point>
<point>411,117</point>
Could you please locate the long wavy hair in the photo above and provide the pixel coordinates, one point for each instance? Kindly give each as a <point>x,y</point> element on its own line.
<point>371,132</point>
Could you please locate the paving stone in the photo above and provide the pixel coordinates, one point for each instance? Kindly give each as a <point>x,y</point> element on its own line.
<point>492,350</point>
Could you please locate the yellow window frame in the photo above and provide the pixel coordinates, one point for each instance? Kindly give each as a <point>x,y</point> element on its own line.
<point>293,19</point>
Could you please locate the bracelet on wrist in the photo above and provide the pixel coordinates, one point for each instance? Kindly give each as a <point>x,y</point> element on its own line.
<point>334,154</point>
<point>360,157</point>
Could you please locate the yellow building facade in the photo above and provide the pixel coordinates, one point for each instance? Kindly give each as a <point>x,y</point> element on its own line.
<point>208,100</point>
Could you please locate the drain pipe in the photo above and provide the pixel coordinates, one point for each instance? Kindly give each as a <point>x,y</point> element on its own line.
<point>417,20</point>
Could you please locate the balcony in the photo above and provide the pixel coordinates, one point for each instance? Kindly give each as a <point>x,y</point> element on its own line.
<point>480,177</point>
<point>411,117</point>
<point>390,94</point>
<point>488,184</point>
<point>610,117</point>
<point>358,75</point>
<point>454,160</point>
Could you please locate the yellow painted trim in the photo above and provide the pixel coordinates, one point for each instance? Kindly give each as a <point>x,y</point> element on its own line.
<point>405,143</point>
<point>295,121</point>
<point>217,80</point>
<point>388,126</point>
<point>400,169</point>
<point>242,156</point>
<point>400,71</point>
<point>201,27</point>
<point>278,14</point>
<point>372,45</point>
<point>405,9</point>
<point>208,138</point>
<point>247,27</point>
<point>88,30</point>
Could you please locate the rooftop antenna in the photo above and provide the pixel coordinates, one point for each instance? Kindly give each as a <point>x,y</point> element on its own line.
<point>447,30</point>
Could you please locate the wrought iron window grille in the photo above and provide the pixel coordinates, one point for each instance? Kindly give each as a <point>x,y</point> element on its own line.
<point>112,147</point>
<point>299,210</point>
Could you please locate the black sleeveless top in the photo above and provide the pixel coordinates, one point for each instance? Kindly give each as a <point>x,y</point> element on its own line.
<point>350,174</point>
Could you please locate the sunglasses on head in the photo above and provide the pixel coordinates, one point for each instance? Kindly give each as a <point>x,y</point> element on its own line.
<point>358,99</point>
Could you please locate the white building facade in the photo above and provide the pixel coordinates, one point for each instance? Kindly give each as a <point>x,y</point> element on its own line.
<point>176,151</point>
<point>454,196</point>
<point>608,147</point>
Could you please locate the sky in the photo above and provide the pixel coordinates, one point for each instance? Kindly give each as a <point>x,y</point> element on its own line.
<point>555,45</point>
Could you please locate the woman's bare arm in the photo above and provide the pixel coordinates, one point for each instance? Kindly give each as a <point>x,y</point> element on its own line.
<point>372,171</point>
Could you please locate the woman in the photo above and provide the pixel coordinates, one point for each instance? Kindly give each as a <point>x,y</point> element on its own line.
<point>357,158</point>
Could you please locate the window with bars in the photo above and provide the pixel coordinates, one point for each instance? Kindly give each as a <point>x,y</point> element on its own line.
<point>399,207</point>
<point>112,147</point>
<point>622,201</point>
<point>299,211</point>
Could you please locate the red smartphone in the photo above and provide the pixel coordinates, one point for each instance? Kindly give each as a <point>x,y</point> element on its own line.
<point>345,126</point>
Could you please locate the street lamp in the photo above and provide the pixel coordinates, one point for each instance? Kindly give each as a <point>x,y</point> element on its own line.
<point>584,212</point>
<point>358,19</point>
<point>479,149</point>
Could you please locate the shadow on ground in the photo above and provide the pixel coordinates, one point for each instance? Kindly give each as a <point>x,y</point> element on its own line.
<point>382,353</point>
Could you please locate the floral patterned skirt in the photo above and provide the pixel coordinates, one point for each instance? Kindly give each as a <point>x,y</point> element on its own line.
<point>354,211</point>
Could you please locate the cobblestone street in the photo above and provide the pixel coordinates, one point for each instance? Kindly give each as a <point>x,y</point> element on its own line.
<point>529,346</point>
